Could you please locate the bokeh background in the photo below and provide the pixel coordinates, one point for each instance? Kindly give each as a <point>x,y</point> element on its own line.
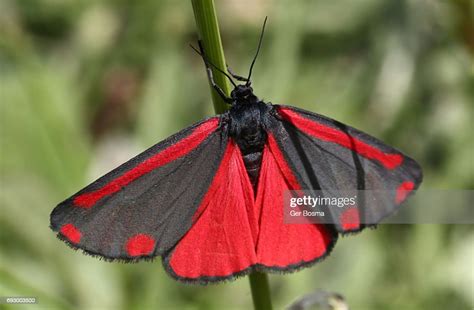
<point>84,85</point>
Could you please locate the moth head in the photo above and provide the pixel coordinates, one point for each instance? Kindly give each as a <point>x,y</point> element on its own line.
<point>241,91</point>
<point>243,94</point>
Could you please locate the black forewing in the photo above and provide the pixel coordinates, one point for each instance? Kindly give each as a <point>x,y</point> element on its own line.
<point>159,204</point>
<point>334,169</point>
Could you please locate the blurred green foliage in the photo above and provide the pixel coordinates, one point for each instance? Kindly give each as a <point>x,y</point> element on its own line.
<point>84,85</point>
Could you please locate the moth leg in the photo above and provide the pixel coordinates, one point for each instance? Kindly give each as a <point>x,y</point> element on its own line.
<point>235,76</point>
<point>211,76</point>
<point>215,86</point>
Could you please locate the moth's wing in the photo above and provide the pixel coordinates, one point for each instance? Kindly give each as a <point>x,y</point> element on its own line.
<point>284,247</point>
<point>239,232</point>
<point>221,243</point>
<point>142,208</point>
<point>332,157</point>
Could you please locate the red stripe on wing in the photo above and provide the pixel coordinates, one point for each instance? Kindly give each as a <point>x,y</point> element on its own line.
<point>173,152</point>
<point>282,164</point>
<point>326,133</point>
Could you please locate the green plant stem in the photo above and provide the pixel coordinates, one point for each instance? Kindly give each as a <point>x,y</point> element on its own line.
<point>208,30</point>
<point>260,291</point>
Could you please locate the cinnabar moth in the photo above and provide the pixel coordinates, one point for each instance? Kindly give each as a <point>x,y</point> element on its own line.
<point>209,199</point>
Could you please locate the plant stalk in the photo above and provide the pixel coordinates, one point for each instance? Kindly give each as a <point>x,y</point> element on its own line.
<point>208,31</point>
<point>260,291</point>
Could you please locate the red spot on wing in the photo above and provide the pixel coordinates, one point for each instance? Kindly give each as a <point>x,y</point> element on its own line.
<point>173,152</point>
<point>281,245</point>
<point>71,233</point>
<point>139,245</point>
<point>326,133</point>
<point>349,219</point>
<point>403,190</point>
<point>221,241</point>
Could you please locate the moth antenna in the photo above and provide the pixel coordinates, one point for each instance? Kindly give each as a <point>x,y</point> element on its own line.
<point>258,50</point>
<point>207,61</point>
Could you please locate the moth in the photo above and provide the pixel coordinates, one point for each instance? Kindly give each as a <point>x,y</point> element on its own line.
<point>209,199</point>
